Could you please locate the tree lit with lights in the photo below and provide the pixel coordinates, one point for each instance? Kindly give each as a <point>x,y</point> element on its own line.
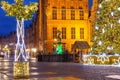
<point>107,28</point>
<point>22,13</point>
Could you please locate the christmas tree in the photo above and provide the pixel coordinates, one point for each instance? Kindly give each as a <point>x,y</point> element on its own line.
<point>106,33</point>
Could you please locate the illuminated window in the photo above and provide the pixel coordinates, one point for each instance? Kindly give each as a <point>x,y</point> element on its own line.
<point>63,13</point>
<point>54,13</point>
<point>81,13</point>
<point>81,33</point>
<point>72,33</point>
<point>54,32</point>
<point>63,33</point>
<point>72,13</point>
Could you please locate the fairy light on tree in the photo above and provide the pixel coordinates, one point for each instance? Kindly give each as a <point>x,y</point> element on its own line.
<point>108,20</point>
<point>22,13</point>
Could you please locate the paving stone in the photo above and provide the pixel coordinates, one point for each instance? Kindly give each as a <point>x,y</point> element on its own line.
<point>62,71</point>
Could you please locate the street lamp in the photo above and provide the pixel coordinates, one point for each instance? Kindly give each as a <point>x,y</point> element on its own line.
<point>6,51</point>
<point>34,50</point>
<point>55,44</point>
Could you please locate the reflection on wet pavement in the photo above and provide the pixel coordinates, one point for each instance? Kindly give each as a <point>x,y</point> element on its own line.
<point>48,73</point>
<point>54,78</point>
<point>114,76</point>
<point>4,76</point>
<point>64,78</point>
<point>62,71</point>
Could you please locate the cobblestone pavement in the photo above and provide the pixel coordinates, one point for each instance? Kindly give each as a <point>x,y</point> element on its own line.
<point>62,71</point>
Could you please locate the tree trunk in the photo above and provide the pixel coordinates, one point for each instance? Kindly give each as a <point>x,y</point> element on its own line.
<point>20,51</point>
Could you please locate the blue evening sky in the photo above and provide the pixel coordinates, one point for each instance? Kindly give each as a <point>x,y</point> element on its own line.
<point>8,24</point>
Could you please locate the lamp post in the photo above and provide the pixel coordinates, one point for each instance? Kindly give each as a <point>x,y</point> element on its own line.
<point>6,50</point>
<point>34,50</point>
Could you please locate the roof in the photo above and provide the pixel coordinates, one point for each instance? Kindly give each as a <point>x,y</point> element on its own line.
<point>81,45</point>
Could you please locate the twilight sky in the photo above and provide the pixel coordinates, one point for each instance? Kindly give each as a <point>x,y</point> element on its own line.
<point>8,24</point>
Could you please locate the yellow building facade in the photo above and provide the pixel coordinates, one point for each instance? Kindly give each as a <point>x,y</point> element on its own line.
<point>70,17</point>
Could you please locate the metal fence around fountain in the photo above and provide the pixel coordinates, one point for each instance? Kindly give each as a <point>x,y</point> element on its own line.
<point>55,58</point>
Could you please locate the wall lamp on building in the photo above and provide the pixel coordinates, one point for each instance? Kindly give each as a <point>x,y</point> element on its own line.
<point>55,44</point>
<point>55,40</point>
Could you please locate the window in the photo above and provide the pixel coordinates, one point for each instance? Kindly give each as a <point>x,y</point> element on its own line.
<point>54,13</point>
<point>81,13</point>
<point>81,33</point>
<point>63,13</point>
<point>72,33</point>
<point>72,13</point>
<point>54,32</point>
<point>63,33</point>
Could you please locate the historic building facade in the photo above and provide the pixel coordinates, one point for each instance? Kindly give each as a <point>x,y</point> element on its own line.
<point>70,17</point>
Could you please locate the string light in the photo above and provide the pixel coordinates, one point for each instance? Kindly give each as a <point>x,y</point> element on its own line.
<point>103,57</point>
<point>117,61</point>
<point>112,13</point>
<point>103,30</point>
<point>110,48</point>
<point>106,0</point>
<point>98,12</point>
<point>100,6</point>
<point>95,38</point>
<point>100,42</point>
<point>91,48</point>
<point>119,21</point>
<point>118,8</point>
<point>96,27</point>
<point>111,25</point>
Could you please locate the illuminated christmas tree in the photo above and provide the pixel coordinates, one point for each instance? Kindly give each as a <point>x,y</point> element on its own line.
<point>106,34</point>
